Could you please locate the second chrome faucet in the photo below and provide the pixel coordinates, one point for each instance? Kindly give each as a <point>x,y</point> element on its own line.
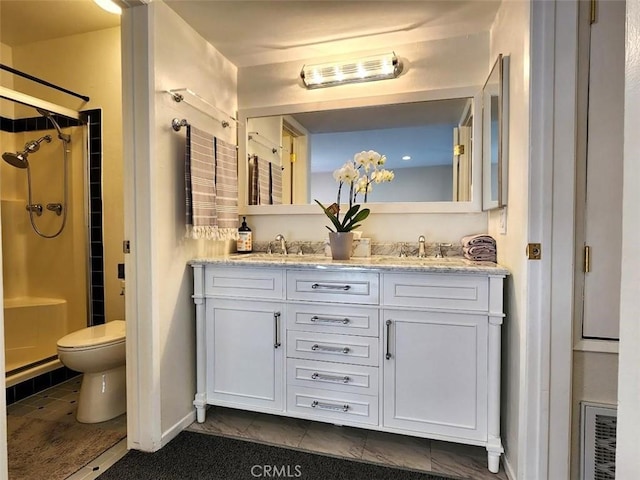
<point>283,244</point>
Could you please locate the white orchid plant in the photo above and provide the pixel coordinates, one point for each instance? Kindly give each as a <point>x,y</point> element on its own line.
<point>360,174</point>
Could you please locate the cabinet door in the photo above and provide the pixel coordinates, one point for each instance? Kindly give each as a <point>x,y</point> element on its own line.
<point>435,373</point>
<point>244,354</point>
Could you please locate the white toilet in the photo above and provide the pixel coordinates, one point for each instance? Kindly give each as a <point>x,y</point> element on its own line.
<point>99,353</point>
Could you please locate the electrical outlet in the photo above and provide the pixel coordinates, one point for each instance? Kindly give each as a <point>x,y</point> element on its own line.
<point>502,222</point>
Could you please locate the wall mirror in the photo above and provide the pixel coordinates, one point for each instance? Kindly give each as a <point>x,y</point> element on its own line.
<point>291,155</point>
<point>495,123</point>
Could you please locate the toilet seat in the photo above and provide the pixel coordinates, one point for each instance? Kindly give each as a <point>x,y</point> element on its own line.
<point>110,333</point>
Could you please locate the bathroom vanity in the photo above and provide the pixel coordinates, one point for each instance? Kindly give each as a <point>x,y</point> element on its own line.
<point>402,345</point>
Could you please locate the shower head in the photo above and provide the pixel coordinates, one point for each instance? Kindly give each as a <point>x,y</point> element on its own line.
<point>19,159</point>
<point>47,114</point>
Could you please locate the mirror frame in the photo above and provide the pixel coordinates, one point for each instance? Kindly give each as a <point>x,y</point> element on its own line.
<point>488,203</point>
<point>475,205</point>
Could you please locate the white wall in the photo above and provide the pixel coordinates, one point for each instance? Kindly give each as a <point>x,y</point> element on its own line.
<point>182,59</point>
<point>433,65</point>
<point>628,441</point>
<point>510,36</point>
<point>164,335</point>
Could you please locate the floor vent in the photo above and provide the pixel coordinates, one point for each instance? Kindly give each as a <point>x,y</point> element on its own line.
<point>598,449</point>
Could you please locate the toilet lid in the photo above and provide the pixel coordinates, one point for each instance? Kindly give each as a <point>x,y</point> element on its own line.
<point>110,332</point>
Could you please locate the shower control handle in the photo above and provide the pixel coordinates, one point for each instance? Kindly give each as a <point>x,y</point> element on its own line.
<point>55,207</point>
<point>35,207</point>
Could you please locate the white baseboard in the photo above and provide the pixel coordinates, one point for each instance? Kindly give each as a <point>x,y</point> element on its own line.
<point>172,432</point>
<point>507,468</point>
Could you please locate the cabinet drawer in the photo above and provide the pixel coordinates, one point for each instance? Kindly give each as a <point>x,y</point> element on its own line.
<point>332,376</point>
<point>349,320</point>
<point>339,406</point>
<point>342,287</point>
<point>459,292</point>
<point>333,348</point>
<point>244,282</point>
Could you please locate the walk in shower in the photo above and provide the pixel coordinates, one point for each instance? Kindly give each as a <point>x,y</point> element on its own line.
<point>51,221</point>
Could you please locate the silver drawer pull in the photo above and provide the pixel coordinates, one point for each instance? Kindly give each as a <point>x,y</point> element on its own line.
<point>330,378</point>
<point>331,287</point>
<point>326,348</point>
<point>316,318</point>
<point>330,406</point>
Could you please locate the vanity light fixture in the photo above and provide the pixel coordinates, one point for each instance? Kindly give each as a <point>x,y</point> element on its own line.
<point>110,6</point>
<point>366,69</point>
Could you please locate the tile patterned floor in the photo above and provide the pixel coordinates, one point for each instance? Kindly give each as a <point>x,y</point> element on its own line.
<point>58,404</point>
<point>30,419</point>
<point>462,461</point>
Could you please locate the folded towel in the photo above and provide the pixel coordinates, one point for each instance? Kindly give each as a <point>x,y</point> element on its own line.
<point>478,239</point>
<point>479,250</point>
<point>481,257</point>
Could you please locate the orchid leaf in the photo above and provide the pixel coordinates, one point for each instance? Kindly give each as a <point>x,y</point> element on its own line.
<point>359,217</point>
<point>331,216</point>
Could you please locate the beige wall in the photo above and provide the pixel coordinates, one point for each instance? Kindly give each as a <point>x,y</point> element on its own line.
<point>88,64</point>
<point>510,36</point>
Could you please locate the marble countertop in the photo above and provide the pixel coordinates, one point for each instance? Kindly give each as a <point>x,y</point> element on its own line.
<point>375,262</point>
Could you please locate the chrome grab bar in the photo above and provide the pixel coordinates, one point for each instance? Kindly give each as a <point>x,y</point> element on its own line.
<point>329,406</point>
<point>326,348</point>
<point>316,318</point>
<point>330,378</point>
<point>331,287</point>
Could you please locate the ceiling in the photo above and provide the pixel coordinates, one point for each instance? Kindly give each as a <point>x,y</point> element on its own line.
<point>263,31</point>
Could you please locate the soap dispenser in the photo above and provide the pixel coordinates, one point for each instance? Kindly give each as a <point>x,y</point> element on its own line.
<point>245,240</point>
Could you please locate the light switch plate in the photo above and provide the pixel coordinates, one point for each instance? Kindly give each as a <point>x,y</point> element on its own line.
<point>502,222</point>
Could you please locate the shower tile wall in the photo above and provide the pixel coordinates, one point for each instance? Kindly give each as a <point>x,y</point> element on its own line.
<point>96,262</point>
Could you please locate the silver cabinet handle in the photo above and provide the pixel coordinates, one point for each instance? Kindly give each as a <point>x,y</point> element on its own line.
<point>316,318</point>
<point>326,348</point>
<point>330,378</point>
<point>276,323</point>
<point>331,287</point>
<point>330,406</point>
<point>388,354</point>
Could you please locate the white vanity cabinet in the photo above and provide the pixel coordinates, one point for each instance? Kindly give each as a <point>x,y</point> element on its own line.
<point>413,351</point>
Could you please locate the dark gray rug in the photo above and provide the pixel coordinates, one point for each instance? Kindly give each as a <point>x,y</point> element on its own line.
<point>192,456</point>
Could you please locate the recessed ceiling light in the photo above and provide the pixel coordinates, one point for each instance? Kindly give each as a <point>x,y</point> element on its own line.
<point>109,5</point>
<point>406,157</point>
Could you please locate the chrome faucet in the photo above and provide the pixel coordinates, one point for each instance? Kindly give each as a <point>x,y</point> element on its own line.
<point>421,249</point>
<point>283,243</point>
<point>440,253</point>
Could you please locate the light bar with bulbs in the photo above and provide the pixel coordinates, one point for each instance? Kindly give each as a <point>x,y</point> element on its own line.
<point>376,67</point>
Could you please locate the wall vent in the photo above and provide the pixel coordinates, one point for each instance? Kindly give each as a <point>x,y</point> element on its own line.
<point>598,448</point>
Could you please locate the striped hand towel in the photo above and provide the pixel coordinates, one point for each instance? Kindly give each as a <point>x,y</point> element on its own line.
<point>226,182</point>
<point>199,184</point>
<point>276,184</point>
<point>253,180</point>
<point>264,181</point>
